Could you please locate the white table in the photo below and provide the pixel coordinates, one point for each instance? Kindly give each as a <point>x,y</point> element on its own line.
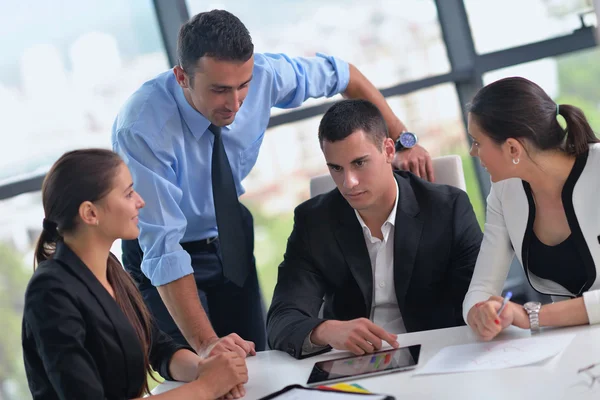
<point>557,378</point>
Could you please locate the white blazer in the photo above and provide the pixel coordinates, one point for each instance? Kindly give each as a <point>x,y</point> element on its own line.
<point>509,226</point>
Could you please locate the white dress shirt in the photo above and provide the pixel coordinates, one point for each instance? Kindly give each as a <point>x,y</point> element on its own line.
<point>384,311</point>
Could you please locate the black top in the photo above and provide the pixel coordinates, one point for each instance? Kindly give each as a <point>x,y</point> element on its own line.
<point>561,263</point>
<point>77,343</point>
<point>579,261</point>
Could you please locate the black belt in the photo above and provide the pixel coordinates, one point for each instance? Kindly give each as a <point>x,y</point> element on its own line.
<point>207,244</point>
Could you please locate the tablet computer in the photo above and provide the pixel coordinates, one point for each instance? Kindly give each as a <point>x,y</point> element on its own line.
<point>378,363</point>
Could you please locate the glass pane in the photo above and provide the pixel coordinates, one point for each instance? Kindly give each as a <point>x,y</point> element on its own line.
<point>390,41</point>
<point>498,25</point>
<point>20,222</point>
<point>65,72</point>
<point>291,155</point>
<point>569,79</point>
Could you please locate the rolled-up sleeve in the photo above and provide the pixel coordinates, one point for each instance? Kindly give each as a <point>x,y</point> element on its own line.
<point>294,80</point>
<point>162,222</point>
<point>495,255</point>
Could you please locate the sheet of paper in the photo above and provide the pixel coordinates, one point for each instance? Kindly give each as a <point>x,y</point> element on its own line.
<point>301,394</point>
<point>495,355</point>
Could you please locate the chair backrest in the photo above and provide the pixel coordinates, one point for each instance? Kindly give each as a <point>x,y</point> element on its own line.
<point>448,170</point>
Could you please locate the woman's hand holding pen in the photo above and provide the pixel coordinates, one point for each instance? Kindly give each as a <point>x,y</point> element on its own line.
<point>489,318</point>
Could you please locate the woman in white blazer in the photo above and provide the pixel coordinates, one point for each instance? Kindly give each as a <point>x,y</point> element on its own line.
<point>543,207</point>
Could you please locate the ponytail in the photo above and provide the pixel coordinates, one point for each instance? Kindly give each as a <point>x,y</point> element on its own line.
<point>131,303</point>
<point>46,244</point>
<point>579,132</point>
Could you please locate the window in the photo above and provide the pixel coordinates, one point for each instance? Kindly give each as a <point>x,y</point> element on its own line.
<point>64,73</point>
<point>390,41</point>
<point>569,79</point>
<point>497,25</point>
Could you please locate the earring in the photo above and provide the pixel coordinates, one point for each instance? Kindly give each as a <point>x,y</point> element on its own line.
<point>98,222</point>
<point>516,161</point>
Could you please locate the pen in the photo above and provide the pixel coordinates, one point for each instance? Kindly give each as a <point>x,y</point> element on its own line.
<point>506,299</point>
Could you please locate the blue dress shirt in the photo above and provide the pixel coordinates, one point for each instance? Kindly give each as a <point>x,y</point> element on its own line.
<point>166,144</point>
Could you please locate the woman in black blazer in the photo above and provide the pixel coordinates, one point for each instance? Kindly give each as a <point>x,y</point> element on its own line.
<point>86,331</point>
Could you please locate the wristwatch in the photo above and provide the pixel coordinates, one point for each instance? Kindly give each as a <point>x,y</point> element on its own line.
<point>533,310</point>
<point>406,140</point>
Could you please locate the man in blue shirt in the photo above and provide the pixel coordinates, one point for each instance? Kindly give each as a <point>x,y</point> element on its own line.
<point>171,133</point>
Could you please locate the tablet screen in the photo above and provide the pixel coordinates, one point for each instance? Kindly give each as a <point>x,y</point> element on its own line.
<point>384,361</point>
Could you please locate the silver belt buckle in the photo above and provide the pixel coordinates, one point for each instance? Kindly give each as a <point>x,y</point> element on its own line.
<point>211,239</point>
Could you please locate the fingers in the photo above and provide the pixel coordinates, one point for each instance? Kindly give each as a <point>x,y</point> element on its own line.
<point>423,170</point>
<point>246,345</point>
<point>413,164</point>
<point>417,161</point>
<point>363,344</point>
<point>241,390</point>
<point>487,321</point>
<point>228,343</point>
<point>383,334</point>
<point>429,169</point>
<point>353,346</point>
<point>373,339</point>
<point>252,351</point>
<point>235,392</point>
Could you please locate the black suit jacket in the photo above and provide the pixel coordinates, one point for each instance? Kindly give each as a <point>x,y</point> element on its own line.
<point>77,343</point>
<point>436,243</point>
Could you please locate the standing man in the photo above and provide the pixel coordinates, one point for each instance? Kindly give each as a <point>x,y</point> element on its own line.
<point>189,143</point>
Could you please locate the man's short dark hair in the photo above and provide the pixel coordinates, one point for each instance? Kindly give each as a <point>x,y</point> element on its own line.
<point>215,33</point>
<point>348,116</point>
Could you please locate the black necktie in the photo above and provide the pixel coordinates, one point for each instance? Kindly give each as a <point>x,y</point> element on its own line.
<point>232,239</point>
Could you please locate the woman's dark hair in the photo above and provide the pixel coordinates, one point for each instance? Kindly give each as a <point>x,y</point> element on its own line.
<point>216,33</point>
<point>518,108</point>
<point>88,175</point>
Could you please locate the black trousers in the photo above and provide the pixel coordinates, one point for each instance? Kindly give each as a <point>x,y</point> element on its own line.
<point>230,308</point>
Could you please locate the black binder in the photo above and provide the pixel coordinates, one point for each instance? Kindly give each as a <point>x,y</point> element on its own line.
<point>273,396</point>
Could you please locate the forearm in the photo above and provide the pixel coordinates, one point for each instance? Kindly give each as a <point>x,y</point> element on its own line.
<point>319,335</point>
<point>184,365</point>
<point>360,87</point>
<point>564,313</point>
<point>182,301</point>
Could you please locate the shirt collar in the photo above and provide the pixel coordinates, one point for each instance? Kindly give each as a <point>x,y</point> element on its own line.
<point>391,218</point>
<point>196,122</point>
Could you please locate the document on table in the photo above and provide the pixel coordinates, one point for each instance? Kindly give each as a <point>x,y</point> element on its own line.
<point>301,394</point>
<point>495,355</point>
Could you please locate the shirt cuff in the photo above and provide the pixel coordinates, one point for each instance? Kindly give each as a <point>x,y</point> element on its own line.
<point>309,347</point>
<point>167,268</point>
<point>342,70</point>
<point>591,300</point>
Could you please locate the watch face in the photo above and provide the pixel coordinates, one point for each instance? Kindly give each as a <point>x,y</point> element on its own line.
<point>408,139</point>
<point>532,306</point>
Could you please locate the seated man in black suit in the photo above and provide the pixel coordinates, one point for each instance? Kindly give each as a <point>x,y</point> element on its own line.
<point>386,252</point>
